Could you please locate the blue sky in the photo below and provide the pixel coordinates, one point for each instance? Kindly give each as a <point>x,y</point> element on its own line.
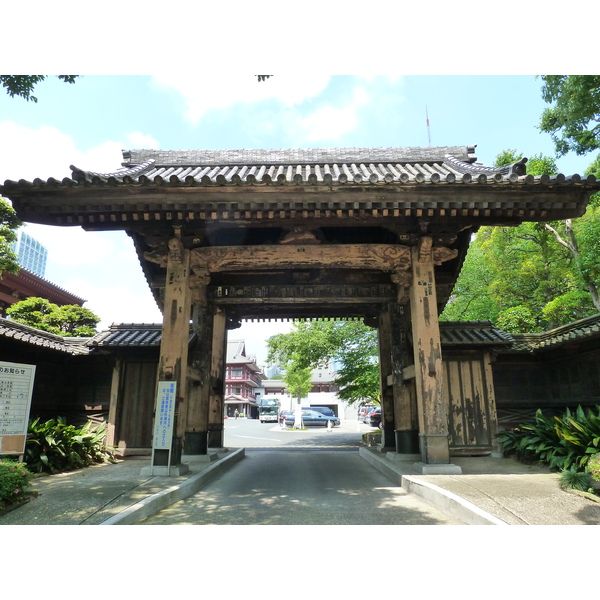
<point>87,124</point>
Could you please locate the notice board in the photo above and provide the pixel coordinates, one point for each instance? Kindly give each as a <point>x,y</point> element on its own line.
<point>164,417</point>
<point>16,389</point>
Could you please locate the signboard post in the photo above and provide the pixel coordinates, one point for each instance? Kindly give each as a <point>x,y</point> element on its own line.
<point>164,417</point>
<point>164,428</point>
<point>16,390</point>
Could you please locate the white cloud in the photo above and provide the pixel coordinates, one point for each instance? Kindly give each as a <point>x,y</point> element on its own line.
<point>255,334</point>
<point>137,139</point>
<point>101,267</point>
<point>72,246</point>
<point>331,122</point>
<point>117,303</point>
<point>202,94</point>
<point>27,153</point>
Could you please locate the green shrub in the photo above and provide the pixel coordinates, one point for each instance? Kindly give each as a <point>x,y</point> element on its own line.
<point>577,480</point>
<point>14,478</point>
<point>563,443</point>
<point>54,446</point>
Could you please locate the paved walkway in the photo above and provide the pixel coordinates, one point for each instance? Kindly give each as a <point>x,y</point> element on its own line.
<point>497,491</point>
<point>493,491</point>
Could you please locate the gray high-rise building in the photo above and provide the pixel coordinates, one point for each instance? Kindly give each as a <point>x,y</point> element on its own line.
<point>31,254</point>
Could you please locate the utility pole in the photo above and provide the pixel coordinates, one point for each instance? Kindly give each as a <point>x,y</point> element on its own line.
<point>428,131</point>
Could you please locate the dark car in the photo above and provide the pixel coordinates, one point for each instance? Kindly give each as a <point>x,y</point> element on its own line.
<point>285,414</point>
<point>312,418</point>
<point>375,417</point>
<point>322,409</point>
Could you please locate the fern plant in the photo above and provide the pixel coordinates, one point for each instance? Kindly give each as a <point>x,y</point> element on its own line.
<point>563,442</point>
<point>54,446</point>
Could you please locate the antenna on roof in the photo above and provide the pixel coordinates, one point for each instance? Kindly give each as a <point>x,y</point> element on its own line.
<point>428,131</point>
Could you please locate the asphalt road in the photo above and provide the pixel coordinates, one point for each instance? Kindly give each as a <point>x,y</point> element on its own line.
<point>251,433</point>
<point>311,477</point>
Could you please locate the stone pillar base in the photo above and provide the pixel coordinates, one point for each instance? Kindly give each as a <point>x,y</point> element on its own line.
<point>438,469</point>
<point>407,441</point>
<point>387,438</point>
<point>395,457</point>
<point>434,448</point>
<point>200,458</point>
<point>215,437</point>
<point>195,442</point>
<point>172,471</point>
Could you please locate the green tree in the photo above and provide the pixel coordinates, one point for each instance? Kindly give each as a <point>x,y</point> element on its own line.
<point>310,344</point>
<point>471,299</point>
<point>68,320</point>
<point>517,319</point>
<point>23,85</point>
<point>531,277</point>
<point>573,120</point>
<point>297,380</point>
<point>351,345</point>
<point>9,223</point>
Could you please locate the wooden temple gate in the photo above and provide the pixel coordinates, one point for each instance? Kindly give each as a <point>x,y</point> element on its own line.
<point>378,234</point>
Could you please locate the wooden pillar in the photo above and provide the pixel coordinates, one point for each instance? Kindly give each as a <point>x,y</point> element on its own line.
<point>384,337</point>
<point>173,360</point>
<point>406,423</point>
<point>429,376</point>
<point>217,379</point>
<point>115,385</point>
<point>492,410</point>
<point>196,434</point>
<point>400,426</point>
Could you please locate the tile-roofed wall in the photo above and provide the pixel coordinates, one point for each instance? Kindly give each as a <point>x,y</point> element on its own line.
<point>29,335</point>
<point>132,334</point>
<point>577,331</point>
<point>473,333</point>
<point>453,334</point>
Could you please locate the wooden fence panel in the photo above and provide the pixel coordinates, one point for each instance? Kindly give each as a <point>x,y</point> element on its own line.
<point>471,424</point>
<point>136,405</point>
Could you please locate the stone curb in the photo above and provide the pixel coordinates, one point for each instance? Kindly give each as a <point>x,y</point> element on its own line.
<point>152,504</point>
<point>443,499</point>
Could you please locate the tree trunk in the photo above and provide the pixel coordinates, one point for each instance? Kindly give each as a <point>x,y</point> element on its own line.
<point>572,246</point>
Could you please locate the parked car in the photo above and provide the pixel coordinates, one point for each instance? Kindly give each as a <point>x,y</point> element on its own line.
<point>322,409</point>
<point>313,418</point>
<point>375,417</point>
<point>363,411</point>
<point>285,414</point>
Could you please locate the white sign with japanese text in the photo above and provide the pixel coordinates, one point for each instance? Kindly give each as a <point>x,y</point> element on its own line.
<point>16,389</point>
<point>165,415</point>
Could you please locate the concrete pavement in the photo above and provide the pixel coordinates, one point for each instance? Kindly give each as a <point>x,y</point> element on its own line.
<point>495,491</point>
<point>115,494</point>
<point>491,491</point>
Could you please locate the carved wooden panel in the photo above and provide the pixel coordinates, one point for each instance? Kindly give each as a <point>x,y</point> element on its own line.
<point>380,257</point>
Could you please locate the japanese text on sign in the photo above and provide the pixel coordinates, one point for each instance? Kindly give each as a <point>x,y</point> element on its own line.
<point>16,385</point>
<point>16,388</point>
<point>165,415</point>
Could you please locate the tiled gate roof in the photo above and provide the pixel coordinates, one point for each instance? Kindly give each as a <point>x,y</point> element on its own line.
<point>335,166</point>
